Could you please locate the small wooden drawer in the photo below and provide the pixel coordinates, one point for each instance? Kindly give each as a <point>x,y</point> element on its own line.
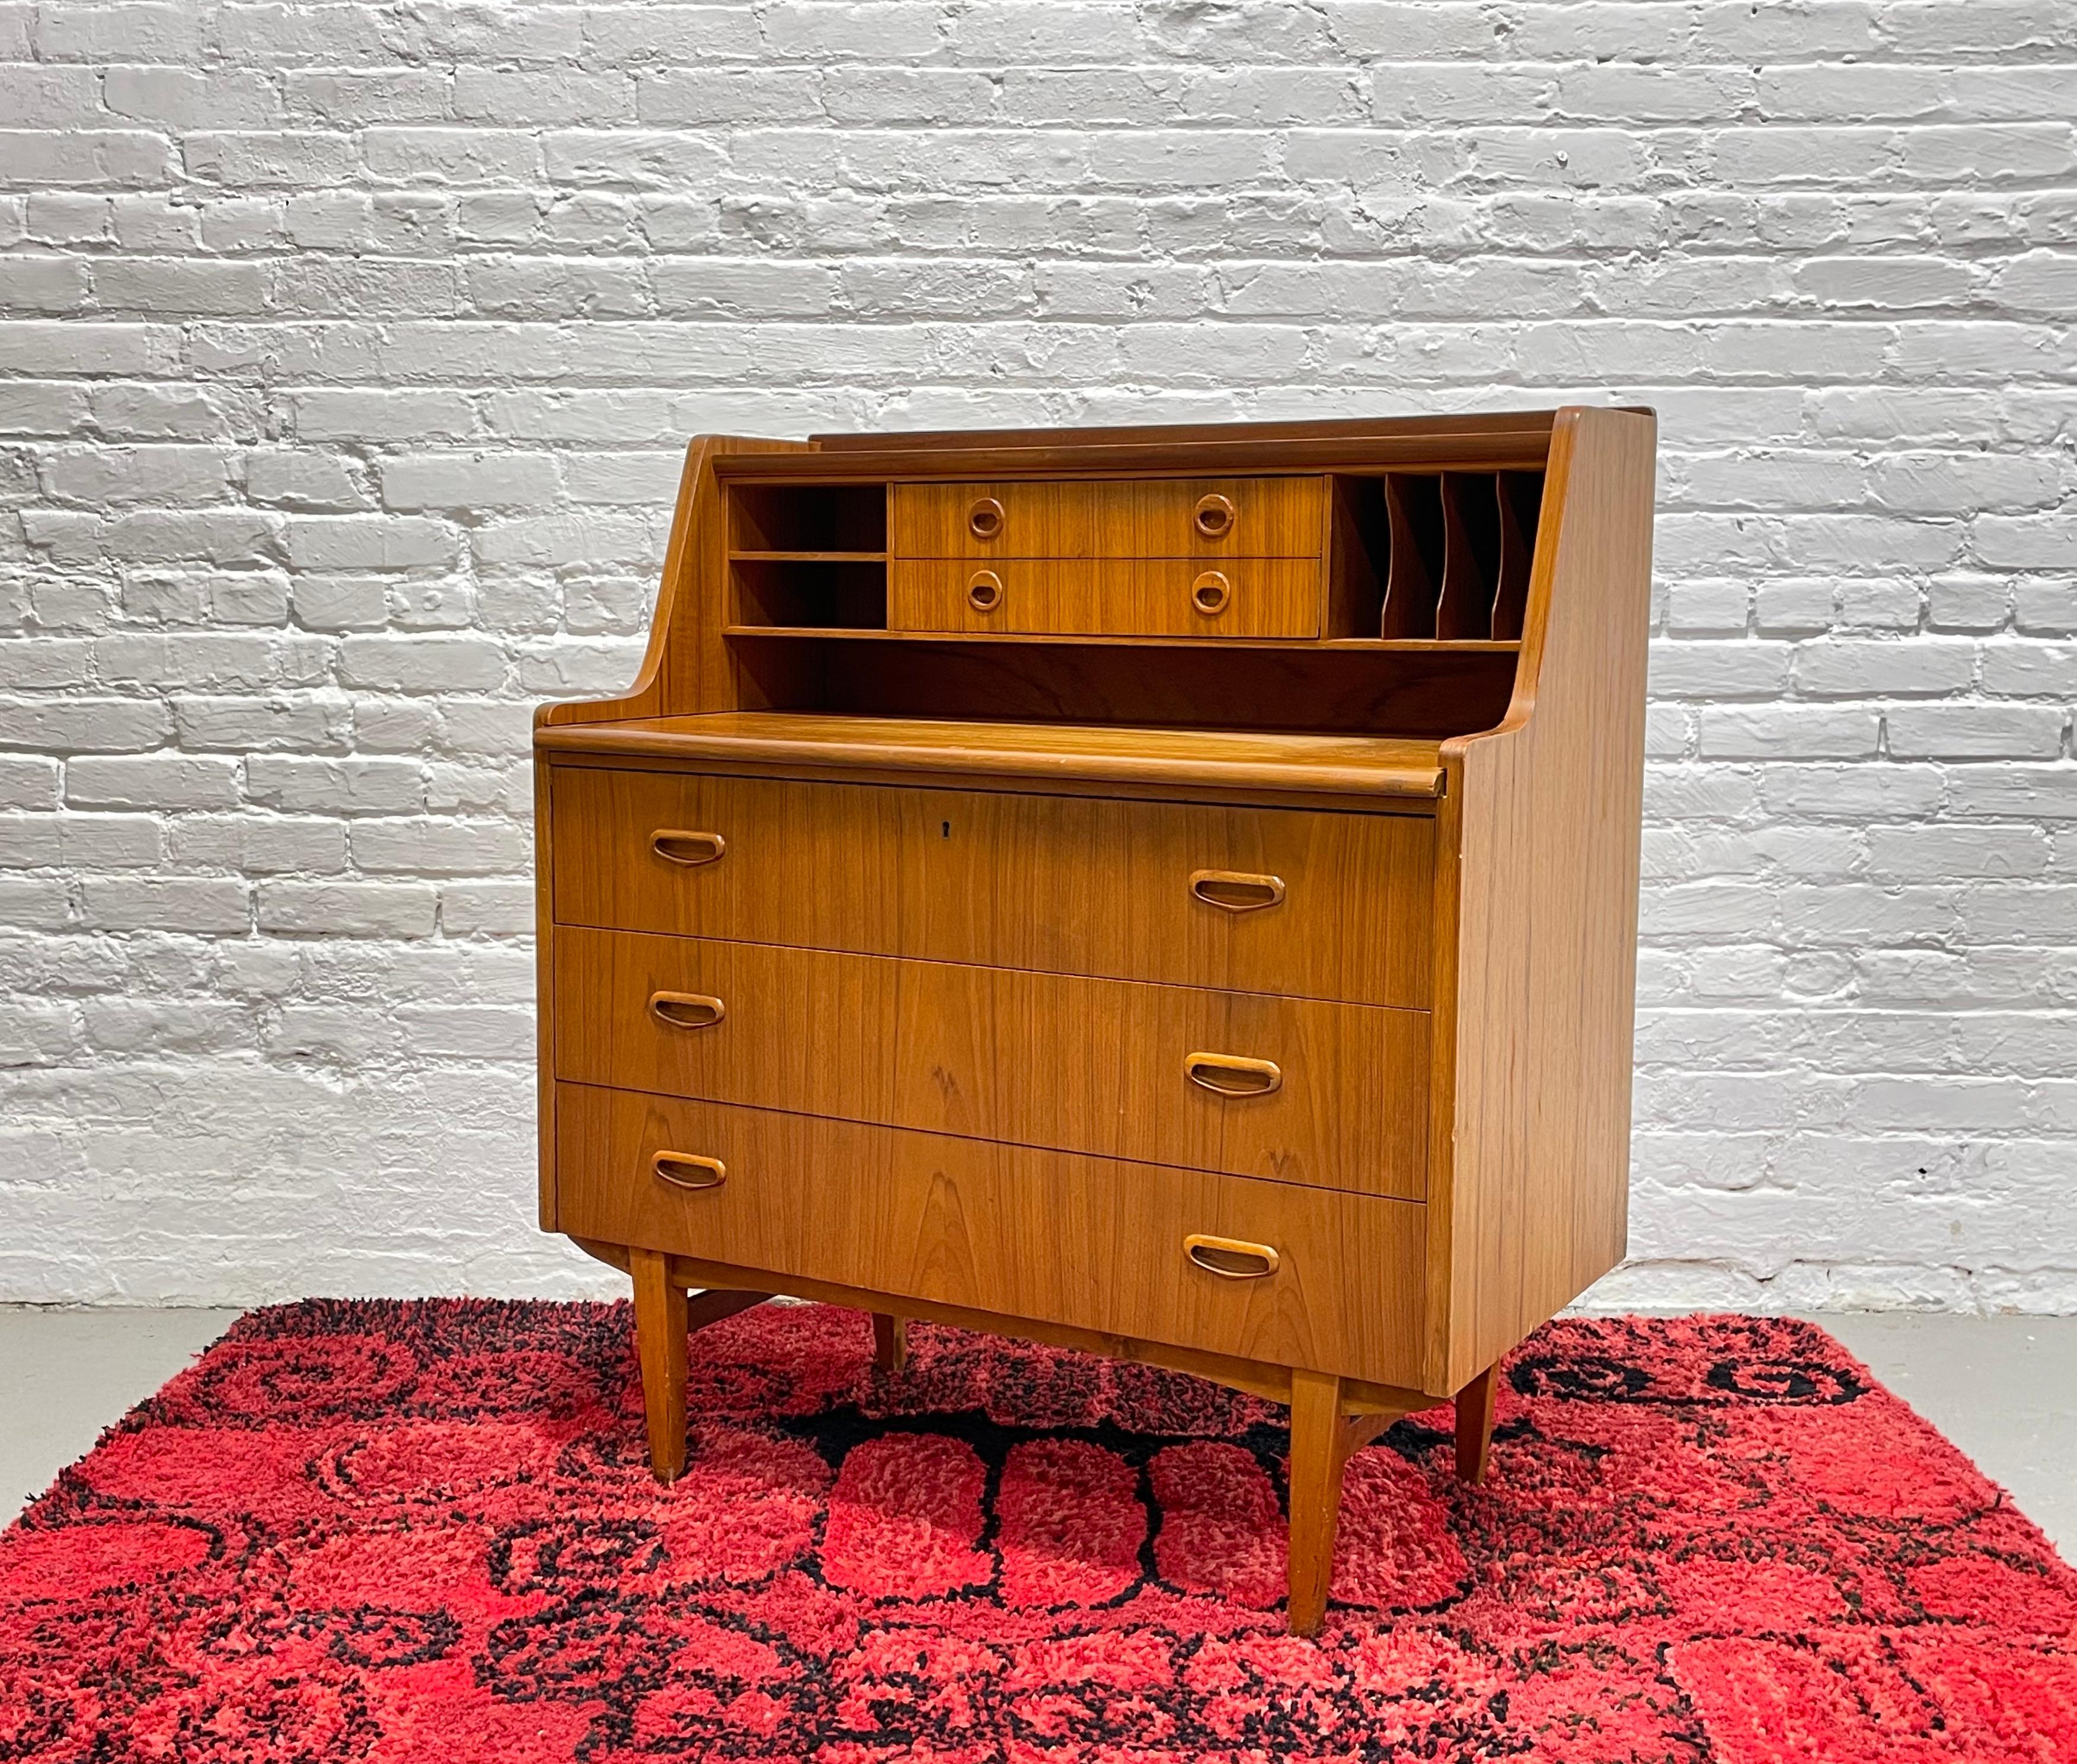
<point>1092,1242</point>
<point>1316,905</point>
<point>1276,597</point>
<point>1295,1090</point>
<point>1131,518</point>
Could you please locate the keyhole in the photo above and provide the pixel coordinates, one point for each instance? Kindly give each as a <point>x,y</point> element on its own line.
<point>945,829</point>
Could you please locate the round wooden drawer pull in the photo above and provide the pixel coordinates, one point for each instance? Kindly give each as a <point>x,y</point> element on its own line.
<point>984,591</point>
<point>686,1010</point>
<point>1210,592</point>
<point>985,519</point>
<point>687,1170</point>
<point>1230,1259</point>
<point>1234,1075</point>
<point>1235,891</point>
<point>1214,516</point>
<point>675,845</point>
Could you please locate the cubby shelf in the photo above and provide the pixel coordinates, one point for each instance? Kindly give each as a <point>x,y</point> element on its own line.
<point>807,557</point>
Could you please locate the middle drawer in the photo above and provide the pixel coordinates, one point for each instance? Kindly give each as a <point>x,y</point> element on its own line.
<point>1153,596</point>
<point>1295,1090</point>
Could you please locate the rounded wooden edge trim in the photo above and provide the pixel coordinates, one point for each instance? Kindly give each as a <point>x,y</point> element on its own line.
<point>1416,781</point>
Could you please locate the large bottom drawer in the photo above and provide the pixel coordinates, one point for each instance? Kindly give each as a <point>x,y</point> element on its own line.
<point>1291,1276</point>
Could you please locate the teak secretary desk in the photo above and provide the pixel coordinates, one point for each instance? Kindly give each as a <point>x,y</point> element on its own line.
<point>1171,892</point>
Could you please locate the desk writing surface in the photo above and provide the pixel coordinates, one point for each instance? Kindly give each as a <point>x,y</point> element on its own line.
<point>1362,765</point>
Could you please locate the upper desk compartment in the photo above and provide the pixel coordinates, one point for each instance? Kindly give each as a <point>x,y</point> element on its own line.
<point>1428,556</point>
<point>1267,607</point>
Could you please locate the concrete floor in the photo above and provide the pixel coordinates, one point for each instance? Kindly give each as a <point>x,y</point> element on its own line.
<point>2003,1389</point>
<point>66,1374</point>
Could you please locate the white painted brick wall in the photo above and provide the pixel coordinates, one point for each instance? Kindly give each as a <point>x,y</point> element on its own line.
<point>347,352</point>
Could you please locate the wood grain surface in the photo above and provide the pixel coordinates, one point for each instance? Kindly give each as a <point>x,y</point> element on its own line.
<point>1071,885</point>
<point>1145,597</point>
<point>1409,692</point>
<point>1123,518</point>
<point>1534,1187</point>
<point>1087,1241</point>
<point>1054,1060</point>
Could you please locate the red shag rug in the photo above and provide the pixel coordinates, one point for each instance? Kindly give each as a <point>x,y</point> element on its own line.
<point>425,1532</point>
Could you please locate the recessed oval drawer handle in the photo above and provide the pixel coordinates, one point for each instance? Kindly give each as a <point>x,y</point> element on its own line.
<point>1230,1259</point>
<point>675,845</point>
<point>1214,516</point>
<point>1234,1075</point>
<point>1210,592</point>
<point>687,1010</point>
<point>1236,890</point>
<point>688,1170</point>
<point>984,518</point>
<point>984,591</point>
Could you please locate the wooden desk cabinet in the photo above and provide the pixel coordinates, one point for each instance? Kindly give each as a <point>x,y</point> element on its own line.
<point>1169,892</point>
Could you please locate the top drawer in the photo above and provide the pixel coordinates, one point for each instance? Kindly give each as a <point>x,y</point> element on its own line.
<point>1283,900</point>
<point>1125,518</point>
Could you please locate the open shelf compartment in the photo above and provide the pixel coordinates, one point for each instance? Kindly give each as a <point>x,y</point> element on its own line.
<point>1438,554</point>
<point>807,556</point>
<point>810,594</point>
<point>846,518</point>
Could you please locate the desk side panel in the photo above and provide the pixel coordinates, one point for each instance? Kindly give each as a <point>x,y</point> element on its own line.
<point>1548,809</point>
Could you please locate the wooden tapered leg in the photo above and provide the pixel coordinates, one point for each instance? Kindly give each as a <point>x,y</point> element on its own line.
<point>1322,1441</point>
<point>660,1327</point>
<point>1318,1453</point>
<point>1474,1423</point>
<point>890,1342</point>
